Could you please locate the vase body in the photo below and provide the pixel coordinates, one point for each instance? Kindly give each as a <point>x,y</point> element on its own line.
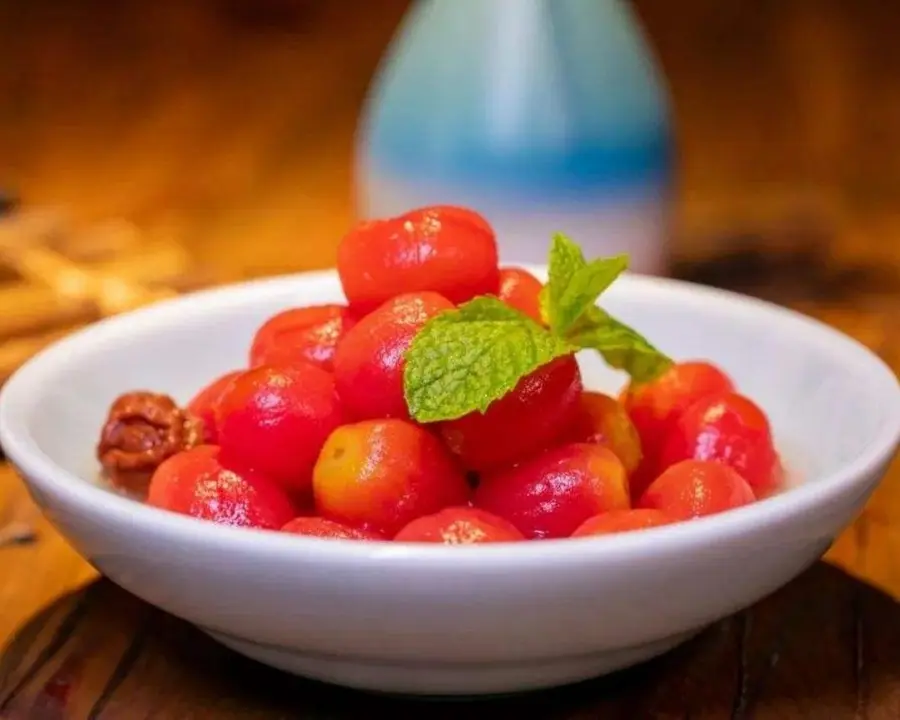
<point>544,115</point>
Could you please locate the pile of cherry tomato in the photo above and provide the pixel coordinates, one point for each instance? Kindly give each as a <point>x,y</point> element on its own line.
<point>314,436</point>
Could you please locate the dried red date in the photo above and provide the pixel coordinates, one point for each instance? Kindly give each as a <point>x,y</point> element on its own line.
<point>143,429</point>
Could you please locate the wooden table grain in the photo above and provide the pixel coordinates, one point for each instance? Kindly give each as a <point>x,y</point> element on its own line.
<point>231,124</point>
<point>825,647</point>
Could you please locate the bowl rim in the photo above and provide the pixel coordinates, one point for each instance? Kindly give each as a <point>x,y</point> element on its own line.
<point>86,498</point>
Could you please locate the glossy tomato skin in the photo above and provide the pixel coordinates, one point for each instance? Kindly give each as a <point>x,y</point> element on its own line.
<point>383,474</point>
<point>618,521</point>
<point>731,429</point>
<point>521,290</point>
<point>450,251</point>
<point>603,420</point>
<point>195,482</point>
<point>308,334</point>
<point>550,495</point>
<point>459,526</point>
<point>275,419</point>
<point>462,214</point>
<point>697,488</point>
<point>203,405</point>
<point>654,408</point>
<point>322,528</point>
<point>369,361</point>
<point>540,410</point>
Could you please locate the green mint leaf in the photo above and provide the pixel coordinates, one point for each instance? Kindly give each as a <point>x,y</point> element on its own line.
<point>464,359</point>
<point>621,347</point>
<point>564,261</point>
<point>575,284</point>
<point>585,287</point>
<point>544,302</point>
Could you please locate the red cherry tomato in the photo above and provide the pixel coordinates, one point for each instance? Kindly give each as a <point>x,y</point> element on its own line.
<point>617,521</point>
<point>275,419</point>
<point>731,429</point>
<point>550,495</point>
<point>459,526</point>
<point>307,334</point>
<point>203,405</point>
<point>369,361</point>
<point>696,488</point>
<point>382,474</point>
<point>540,410</point>
<point>654,408</point>
<point>195,482</point>
<point>464,215</point>
<point>322,528</point>
<point>604,420</point>
<point>521,290</point>
<point>450,251</point>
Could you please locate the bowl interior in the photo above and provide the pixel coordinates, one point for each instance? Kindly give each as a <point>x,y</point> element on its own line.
<point>828,398</point>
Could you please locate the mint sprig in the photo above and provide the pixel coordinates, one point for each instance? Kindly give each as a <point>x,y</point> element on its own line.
<point>575,284</point>
<point>621,347</point>
<point>464,359</point>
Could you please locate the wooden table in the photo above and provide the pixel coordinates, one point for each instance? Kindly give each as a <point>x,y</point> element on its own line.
<point>232,123</point>
<point>825,643</point>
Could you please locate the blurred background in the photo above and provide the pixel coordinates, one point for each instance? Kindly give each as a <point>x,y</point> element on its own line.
<point>232,121</point>
<point>227,127</point>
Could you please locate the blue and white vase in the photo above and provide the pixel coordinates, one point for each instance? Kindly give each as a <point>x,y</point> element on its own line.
<point>544,115</point>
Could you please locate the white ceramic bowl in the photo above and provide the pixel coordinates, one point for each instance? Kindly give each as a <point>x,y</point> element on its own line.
<point>446,619</point>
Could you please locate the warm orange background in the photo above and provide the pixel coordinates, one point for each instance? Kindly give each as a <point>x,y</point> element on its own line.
<point>234,119</point>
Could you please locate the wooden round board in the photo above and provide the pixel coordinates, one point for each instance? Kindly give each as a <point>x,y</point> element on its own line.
<point>826,647</point>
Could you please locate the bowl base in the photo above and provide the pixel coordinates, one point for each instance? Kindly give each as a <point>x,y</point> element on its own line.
<point>448,679</point>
